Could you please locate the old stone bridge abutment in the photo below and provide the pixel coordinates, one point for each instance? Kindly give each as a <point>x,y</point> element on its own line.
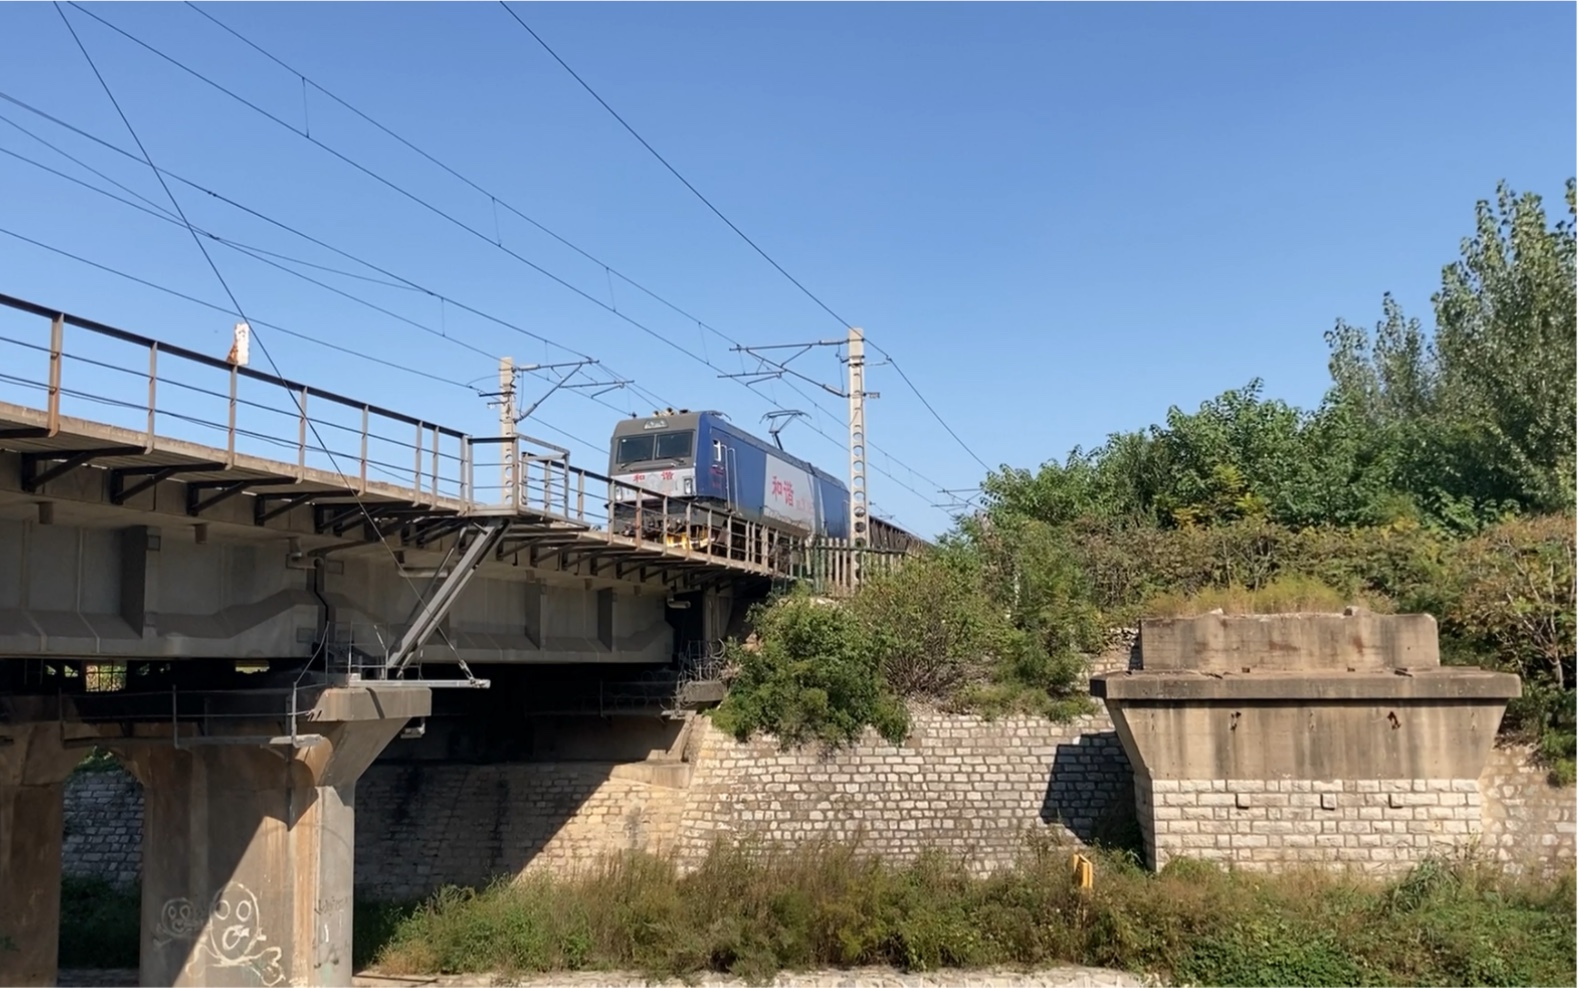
<point>1321,739</point>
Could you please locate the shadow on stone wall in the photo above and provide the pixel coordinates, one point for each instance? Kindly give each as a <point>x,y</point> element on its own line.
<point>425,825</point>
<point>1091,791</point>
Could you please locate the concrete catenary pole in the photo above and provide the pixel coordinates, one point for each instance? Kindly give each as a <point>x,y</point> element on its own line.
<point>507,429</point>
<point>856,364</point>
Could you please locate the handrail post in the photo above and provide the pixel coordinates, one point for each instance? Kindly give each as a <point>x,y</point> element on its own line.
<point>581,497</point>
<point>434,462</point>
<point>416,472</point>
<point>230,420</point>
<point>612,492</point>
<point>466,491</point>
<point>301,437</point>
<point>519,478</point>
<point>153,378</point>
<point>364,461</point>
<point>57,342</point>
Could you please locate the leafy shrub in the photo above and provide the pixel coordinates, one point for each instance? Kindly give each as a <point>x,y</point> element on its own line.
<point>995,625</point>
<point>1514,600</point>
<point>931,625</point>
<point>815,675</point>
<point>1271,953</point>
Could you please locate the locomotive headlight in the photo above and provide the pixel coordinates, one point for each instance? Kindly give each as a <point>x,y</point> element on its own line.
<point>687,486</point>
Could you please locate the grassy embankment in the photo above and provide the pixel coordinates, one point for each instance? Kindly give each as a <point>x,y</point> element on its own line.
<point>825,905</point>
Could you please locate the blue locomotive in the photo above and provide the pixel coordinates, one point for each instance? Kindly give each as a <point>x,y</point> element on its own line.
<point>699,458</point>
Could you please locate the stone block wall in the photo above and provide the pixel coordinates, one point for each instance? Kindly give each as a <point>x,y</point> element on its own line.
<point>964,784</point>
<point>1378,826</point>
<point>103,827</point>
<point>968,786</point>
<point>420,826</point>
<point>1525,822</point>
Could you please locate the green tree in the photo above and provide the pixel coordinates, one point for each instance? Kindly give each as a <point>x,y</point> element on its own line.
<point>1478,420</point>
<point>1506,345</point>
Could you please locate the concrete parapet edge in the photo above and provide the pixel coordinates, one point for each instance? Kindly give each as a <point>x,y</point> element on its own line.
<point>1433,684</point>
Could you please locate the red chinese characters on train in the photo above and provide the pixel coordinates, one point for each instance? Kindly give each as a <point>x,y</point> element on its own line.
<point>784,490</point>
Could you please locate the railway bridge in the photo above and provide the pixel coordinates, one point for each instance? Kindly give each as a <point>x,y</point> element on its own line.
<point>247,587</point>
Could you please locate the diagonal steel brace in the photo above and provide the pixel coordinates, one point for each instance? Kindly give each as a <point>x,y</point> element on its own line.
<point>432,611</point>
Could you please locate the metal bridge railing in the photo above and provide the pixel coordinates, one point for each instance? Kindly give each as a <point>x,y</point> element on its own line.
<point>163,395</point>
<point>835,567</point>
<point>156,397</point>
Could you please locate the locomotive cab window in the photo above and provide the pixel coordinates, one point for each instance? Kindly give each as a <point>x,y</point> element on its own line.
<point>663,446</point>
<point>634,449</point>
<point>674,445</point>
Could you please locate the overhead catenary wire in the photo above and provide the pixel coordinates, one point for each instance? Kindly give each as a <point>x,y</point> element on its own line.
<point>258,254</point>
<point>385,181</point>
<point>22,104</point>
<point>315,340</point>
<point>418,200</point>
<point>257,214</point>
<point>495,199</point>
<point>665,162</point>
<point>739,232</point>
<point>251,251</point>
<point>317,437</point>
<point>164,214</point>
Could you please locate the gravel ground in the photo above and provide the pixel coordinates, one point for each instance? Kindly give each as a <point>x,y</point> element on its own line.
<point>1057,977</point>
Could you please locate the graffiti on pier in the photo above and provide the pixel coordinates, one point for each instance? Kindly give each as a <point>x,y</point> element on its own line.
<point>228,935</point>
<point>329,929</point>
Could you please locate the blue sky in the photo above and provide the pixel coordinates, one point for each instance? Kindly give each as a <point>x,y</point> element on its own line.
<point>1059,219</point>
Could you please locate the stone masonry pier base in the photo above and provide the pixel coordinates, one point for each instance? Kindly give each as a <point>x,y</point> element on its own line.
<point>1304,739</point>
<point>248,843</point>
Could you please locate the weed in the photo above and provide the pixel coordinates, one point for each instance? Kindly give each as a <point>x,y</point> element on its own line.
<point>752,910</point>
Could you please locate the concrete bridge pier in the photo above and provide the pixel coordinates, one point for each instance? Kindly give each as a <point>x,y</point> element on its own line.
<point>34,764</point>
<point>248,843</point>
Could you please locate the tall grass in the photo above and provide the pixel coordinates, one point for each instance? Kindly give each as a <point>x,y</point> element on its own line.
<point>1288,594</point>
<point>751,912</point>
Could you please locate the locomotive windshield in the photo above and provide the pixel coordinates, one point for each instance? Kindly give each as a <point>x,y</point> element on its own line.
<point>663,446</point>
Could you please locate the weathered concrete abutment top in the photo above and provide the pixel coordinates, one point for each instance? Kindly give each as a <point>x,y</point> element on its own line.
<point>1302,696</point>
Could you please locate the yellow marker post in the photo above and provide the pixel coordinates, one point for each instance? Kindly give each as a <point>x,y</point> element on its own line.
<point>1081,866</point>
